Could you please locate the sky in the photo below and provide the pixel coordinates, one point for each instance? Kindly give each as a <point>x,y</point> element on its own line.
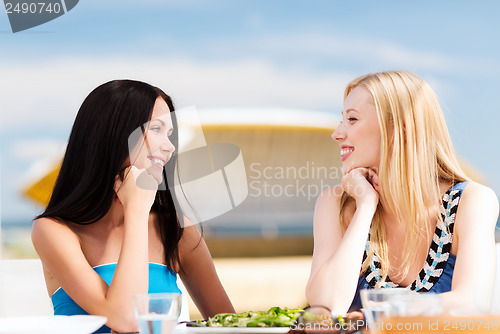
<point>269,54</point>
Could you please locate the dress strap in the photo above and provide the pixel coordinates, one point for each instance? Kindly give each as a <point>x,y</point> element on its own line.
<point>451,199</point>
<point>439,250</point>
<point>373,273</point>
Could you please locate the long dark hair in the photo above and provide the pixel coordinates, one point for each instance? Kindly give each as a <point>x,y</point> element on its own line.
<point>96,153</point>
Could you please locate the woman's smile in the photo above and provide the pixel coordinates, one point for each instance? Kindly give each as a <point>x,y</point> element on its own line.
<point>158,161</point>
<point>345,152</point>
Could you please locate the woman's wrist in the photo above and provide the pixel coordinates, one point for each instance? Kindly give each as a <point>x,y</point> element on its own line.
<point>134,212</point>
<point>367,205</point>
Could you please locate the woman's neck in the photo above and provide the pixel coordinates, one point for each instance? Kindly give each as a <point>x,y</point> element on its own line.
<point>115,215</point>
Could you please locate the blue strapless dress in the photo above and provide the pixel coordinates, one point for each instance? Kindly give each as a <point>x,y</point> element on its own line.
<point>161,279</point>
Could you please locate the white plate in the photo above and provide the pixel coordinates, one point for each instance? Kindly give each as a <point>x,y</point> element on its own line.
<point>56,324</point>
<point>228,330</point>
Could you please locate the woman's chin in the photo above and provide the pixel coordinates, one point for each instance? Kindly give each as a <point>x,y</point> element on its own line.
<point>158,177</point>
<point>347,167</point>
<point>156,173</point>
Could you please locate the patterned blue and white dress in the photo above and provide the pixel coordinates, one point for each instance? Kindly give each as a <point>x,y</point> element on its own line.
<point>437,272</point>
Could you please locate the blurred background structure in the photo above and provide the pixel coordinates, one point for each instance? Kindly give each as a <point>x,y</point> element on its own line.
<point>265,75</point>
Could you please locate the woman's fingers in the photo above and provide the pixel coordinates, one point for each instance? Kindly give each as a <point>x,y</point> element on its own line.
<point>373,178</point>
<point>362,184</point>
<point>145,181</point>
<point>142,179</point>
<point>137,188</point>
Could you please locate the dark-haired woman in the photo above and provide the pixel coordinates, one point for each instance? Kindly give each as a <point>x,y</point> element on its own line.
<point>108,233</point>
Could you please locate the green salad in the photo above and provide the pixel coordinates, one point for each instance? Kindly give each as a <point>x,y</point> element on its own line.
<point>274,317</point>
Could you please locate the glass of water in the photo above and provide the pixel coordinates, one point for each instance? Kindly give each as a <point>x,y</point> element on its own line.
<point>378,303</point>
<point>157,313</point>
<point>416,304</point>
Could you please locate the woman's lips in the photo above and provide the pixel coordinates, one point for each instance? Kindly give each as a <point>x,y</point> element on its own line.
<point>160,163</point>
<point>345,152</point>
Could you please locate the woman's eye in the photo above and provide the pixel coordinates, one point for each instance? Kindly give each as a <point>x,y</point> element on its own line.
<point>352,119</point>
<point>155,129</point>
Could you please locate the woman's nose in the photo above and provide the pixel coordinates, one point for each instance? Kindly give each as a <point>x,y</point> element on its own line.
<point>168,146</point>
<point>339,133</point>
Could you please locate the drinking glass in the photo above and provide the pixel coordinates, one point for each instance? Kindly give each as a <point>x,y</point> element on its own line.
<point>157,313</point>
<point>378,303</point>
<point>416,304</point>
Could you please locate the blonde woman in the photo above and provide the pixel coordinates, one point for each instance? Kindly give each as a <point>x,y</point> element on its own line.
<point>405,213</point>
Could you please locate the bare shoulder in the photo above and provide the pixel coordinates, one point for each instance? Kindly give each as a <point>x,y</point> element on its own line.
<point>48,233</point>
<point>193,251</point>
<point>474,189</point>
<point>478,205</point>
<point>49,228</point>
<point>190,241</point>
<point>190,234</point>
<point>475,193</point>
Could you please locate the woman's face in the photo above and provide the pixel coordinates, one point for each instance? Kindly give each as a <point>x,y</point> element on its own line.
<point>156,149</point>
<point>359,133</point>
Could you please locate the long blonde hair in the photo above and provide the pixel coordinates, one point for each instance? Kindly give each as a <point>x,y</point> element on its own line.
<point>416,155</point>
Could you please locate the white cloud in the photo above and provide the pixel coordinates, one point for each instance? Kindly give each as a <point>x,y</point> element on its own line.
<point>367,51</point>
<point>35,157</point>
<point>51,92</point>
<point>37,148</point>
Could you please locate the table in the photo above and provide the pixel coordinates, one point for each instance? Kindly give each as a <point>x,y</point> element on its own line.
<point>448,324</point>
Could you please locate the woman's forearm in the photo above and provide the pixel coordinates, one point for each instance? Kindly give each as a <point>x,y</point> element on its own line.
<point>199,275</point>
<point>334,283</point>
<point>454,300</point>
<point>132,271</point>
